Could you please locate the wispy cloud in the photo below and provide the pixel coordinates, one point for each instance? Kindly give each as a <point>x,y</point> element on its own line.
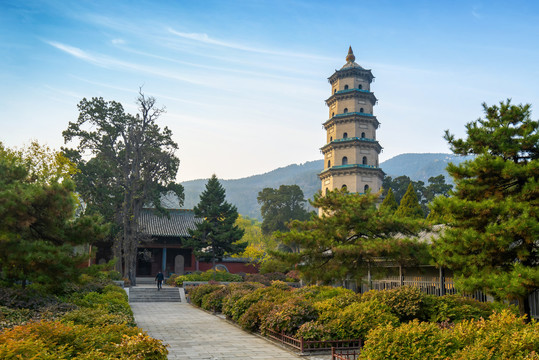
<point>204,38</point>
<point>118,41</point>
<point>76,52</point>
<point>108,62</point>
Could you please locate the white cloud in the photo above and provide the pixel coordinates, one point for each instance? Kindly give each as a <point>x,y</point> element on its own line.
<point>204,38</point>
<point>118,41</point>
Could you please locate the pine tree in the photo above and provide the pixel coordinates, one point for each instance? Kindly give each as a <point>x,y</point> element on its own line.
<point>39,228</point>
<point>491,241</point>
<point>216,234</point>
<point>352,235</point>
<point>390,203</point>
<point>409,206</point>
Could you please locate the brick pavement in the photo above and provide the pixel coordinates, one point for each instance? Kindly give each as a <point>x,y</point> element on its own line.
<point>192,333</point>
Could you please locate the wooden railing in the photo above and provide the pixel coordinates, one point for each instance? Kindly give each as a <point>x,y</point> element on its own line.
<point>312,345</point>
<point>339,354</point>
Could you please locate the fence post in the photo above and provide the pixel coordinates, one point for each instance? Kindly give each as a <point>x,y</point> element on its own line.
<point>301,343</point>
<point>442,281</point>
<point>401,278</point>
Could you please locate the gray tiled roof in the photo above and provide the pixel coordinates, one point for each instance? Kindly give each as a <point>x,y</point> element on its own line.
<point>177,224</point>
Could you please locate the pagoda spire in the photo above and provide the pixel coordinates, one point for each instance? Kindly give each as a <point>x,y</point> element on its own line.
<point>350,57</point>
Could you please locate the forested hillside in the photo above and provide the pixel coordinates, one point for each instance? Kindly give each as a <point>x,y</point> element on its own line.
<point>243,192</point>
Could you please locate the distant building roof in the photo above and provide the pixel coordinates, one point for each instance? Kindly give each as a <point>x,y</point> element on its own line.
<point>177,224</point>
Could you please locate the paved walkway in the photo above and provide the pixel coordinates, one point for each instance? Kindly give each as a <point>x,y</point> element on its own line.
<point>192,333</point>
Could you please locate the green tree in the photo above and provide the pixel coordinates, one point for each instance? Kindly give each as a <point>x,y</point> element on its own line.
<point>40,231</point>
<point>390,203</point>
<point>491,238</point>
<point>436,187</point>
<point>216,234</point>
<point>132,164</point>
<point>259,245</point>
<point>351,235</point>
<point>280,206</point>
<point>409,205</point>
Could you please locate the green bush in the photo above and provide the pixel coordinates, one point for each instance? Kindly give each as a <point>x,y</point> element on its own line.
<point>209,275</point>
<point>236,292</point>
<point>406,302</point>
<point>454,308</point>
<point>55,340</point>
<point>13,317</point>
<point>96,317</point>
<point>197,293</point>
<point>214,300</point>
<point>502,336</point>
<point>113,300</point>
<point>242,304</point>
<point>289,316</point>
<point>412,341</point>
<point>253,317</point>
<point>355,320</point>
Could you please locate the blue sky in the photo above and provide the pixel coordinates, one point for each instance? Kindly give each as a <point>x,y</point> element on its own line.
<point>244,82</point>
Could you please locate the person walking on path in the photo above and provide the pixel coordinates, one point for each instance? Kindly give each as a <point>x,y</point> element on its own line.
<point>159,278</point>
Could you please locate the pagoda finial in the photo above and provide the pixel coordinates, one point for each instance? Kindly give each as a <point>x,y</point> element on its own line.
<point>350,57</point>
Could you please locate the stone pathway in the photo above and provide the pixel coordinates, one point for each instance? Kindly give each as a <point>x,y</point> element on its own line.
<point>192,333</point>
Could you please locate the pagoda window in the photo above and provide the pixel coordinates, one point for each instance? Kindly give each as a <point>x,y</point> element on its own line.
<point>332,114</point>
<point>362,135</point>
<point>366,188</point>
<point>345,160</point>
<point>364,160</point>
<point>327,190</point>
<point>345,110</point>
<point>344,187</point>
<point>345,87</point>
<point>361,110</point>
<point>345,135</point>
<point>334,91</point>
<point>360,86</point>
<point>329,164</point>
<point>330,138</point>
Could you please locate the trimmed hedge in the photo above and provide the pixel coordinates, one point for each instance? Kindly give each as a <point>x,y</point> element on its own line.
<point>208,276</point>
<point>93,322</point>
<point>394,323</point>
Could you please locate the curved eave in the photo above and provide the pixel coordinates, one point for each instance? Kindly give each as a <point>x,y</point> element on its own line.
<point>351,169</point>
<point>354,93</point>
<point>353,142</point>
<point>344,118</point>
<point>349,72</point>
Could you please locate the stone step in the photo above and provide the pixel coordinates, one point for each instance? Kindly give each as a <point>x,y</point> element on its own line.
<point>153,295</point>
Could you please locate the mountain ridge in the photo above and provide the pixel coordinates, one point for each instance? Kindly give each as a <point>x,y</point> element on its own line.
<point>243,192</point>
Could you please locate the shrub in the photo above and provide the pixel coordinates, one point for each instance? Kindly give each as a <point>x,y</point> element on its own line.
<point>236,292</point>
<point>214,300</point>
<point>412,341</point>
<point>95,317</point>
<point>13,317</point>
<point>355,321</point>
<point>455,308</point>
<point>209,275</point>
<point>25,298</point>
<point>314,331</point>
<point>197,293</point>
<point>503,336</point>
<point>242,304</point>
<point>406,302</point>
<point>55,340</point>
<point>289,316</point>
<point>253,317</point>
